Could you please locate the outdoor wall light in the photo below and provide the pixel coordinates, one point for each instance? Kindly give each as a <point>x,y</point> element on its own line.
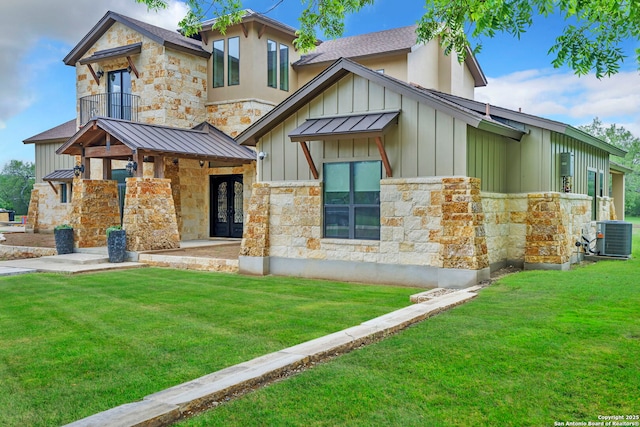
<point>131,167</point>
<point>262,155</point>
<point>175,161</point>
<point>100,73</point>
<point>201,163</point>
<point>77,170</point>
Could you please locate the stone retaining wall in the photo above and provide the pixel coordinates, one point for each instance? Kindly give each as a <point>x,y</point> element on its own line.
<point>190,263</point>
<point>22,252</point>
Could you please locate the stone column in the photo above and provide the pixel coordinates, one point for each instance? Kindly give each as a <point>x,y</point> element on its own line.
<point>149,215</point>
<point>95,207</point>
<point>32,213</point>
<point>547,233</point>
<point>463,241</point>
<point>254,253</point>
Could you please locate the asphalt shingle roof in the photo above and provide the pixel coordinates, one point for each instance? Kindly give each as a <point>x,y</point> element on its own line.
<point>63,131</point>
<point>397,39</point>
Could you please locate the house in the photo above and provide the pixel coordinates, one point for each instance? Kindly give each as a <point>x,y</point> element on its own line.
<point>365,160</point>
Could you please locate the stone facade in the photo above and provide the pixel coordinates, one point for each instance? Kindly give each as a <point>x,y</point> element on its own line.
<point>172,85</point>
<point>427,223</point>
<point>45,209</point>
<point>505,228</point>
<point>232,117</point>
<point>149,215</point>
<point>95,207</point>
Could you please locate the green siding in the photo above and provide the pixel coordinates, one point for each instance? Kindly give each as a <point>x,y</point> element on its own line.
<point>47,160</point>
<point>585,157</point>
<point>425,142</point>
<point>487,159</point>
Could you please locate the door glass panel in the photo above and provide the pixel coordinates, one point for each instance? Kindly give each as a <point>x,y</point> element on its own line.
<point>222,202</point>
<point>591,191</point>
<point>237,202</point>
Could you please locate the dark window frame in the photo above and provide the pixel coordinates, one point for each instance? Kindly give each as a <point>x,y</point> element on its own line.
<point>217,72</point>
<point>351,207</point>
<point>233,67</point>
<point>283,62</point>
<point>63,193</point>
<point>272,64</point>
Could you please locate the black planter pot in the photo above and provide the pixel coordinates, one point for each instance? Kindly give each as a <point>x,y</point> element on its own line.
<point>117,245</point>
<point>64,240</point>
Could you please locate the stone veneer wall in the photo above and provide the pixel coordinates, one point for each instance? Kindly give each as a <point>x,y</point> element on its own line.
<point>232,117</point>
<point>149,215</point>
<point>94,208</point>
<point>45,209</point>
<point>505,223</point>
<point>429,223</point>
<point>172,85</point>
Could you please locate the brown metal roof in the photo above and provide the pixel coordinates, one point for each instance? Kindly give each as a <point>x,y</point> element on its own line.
<point>60,132</point>
<point>113,53</point>
<point>355,125</point>
<point>60,175</point>
<point>208,143</point>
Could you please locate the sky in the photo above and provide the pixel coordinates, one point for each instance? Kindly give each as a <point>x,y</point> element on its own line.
<point>37,91</point>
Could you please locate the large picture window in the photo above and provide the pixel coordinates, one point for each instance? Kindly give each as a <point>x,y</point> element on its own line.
<point>218,63</point>
<point>352,200</point>
<point>234,61</point>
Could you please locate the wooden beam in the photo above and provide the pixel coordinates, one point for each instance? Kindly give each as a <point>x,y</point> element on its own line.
<point>205,38</point>
<point>245,30</point>
<point>385,159</point>
<point>93,73</point>
<point>55,190</point>
<point>307,154</point>
<point>104,152</point>
<point>86,161</point>
<point>158,166</point>
<point>106,168</point>
<point>138,157</point>
<point>133,67</point>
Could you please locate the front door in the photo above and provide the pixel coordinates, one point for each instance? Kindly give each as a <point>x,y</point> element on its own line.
<point>226,206</point>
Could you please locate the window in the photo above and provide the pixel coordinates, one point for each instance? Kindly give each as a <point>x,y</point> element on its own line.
<point>272,73</point>
<point>601,183</point>
<point>591,191</point>
<point>218,63</point>
<point>352,200</point>
<point>234,61</point>
<point>66,191</point>
<point>284,67</point>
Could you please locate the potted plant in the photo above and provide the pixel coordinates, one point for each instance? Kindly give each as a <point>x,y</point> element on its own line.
<point>64,238</point>
<point>116,243</point>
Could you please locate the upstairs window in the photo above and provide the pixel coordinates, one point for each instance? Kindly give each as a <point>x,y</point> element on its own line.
<point>352,200</point>
<point>284,67</point>
<point>218,63</point>
<point>234,61</point>
<point>272,60</point>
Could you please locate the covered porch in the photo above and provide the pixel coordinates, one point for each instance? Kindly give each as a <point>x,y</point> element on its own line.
<point>165,177</point>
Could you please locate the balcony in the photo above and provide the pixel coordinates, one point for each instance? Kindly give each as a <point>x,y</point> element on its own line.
<point>116,105</point>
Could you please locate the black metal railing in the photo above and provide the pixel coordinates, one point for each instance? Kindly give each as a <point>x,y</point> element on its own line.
<point>116,105</point>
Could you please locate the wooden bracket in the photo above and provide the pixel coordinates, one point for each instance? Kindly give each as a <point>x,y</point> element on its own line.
<point>262,30</point>
<point>385,159</point>
<point>245,30</point>
<point>55,190</point>
<point>133,67</point>
<point>307,154</point>
<point>93,73</point>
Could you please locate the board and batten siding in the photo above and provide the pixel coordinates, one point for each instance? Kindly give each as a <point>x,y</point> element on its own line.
<point>426,142</point>
<point>47,160</point>
<point>487,159</point>
<point>585,157</point>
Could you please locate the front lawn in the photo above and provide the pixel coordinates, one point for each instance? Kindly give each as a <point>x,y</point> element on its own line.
<point>535,349</point>
<point>71,346</point>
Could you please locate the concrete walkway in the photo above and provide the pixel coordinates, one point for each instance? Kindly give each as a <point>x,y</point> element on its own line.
<point>173,404</point>
<point>70,264</point>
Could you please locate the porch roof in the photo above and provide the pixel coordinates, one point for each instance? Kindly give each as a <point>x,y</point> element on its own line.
<point>119,139</point>
<point>348,126</point>
<point>59,175</point>
<point>113,53</point>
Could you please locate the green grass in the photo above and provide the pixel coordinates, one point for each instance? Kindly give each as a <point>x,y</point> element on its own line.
<point>632,219</point>
<point>71,346</point>
<point>536,348</point>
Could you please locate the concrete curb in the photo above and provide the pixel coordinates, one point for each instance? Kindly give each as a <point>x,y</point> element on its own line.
<point>181,401</point>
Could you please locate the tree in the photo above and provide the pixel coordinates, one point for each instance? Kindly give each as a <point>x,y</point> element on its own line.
<point>589,42</point>
<point>16,183</point>
<point>622,138</point>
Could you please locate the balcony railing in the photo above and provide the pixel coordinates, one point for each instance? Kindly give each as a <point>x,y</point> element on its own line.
<point>116,105</point>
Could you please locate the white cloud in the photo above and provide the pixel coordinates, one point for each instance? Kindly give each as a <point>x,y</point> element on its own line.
<point>567,97</point>
<point>25,23</point>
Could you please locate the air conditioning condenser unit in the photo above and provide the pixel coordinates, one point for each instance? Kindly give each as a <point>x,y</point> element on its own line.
<point>614,238</point>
